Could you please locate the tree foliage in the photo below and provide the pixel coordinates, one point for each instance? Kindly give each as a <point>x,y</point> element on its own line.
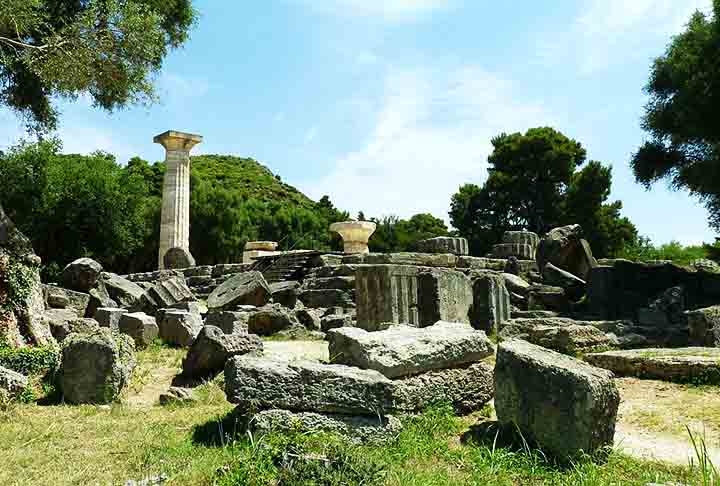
<point>394,234</point>
<point>534,184</point>
<point>108,49</point>
<point>73,205</point>
<point>681,115</point>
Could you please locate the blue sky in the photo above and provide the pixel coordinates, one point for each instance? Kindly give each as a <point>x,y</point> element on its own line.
<point>388,106</point>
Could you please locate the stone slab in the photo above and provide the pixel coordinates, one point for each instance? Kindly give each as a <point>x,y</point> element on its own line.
<point>404,350</point>
<point>682,365</point>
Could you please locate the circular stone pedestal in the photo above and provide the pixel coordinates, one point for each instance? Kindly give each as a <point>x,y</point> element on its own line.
<point>355,235</point>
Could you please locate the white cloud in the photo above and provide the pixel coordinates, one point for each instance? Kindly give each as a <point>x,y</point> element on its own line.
<point>607,32</point>
<point>389,10</point>
<point>431,135</point>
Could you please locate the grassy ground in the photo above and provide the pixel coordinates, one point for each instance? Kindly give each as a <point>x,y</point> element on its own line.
<point>194,445</point>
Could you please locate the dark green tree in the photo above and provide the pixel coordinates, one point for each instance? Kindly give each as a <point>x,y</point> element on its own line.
<point>681,115</point>
<point>394,234</point>
<point>533,184</point>
<point>107,49</point>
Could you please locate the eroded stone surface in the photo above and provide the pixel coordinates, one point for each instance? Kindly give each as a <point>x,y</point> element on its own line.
<point>249,288</point>
<point>96,366</point>
<point>693,365</point>
<point>403,350</point>
<point>306,386</point>
<point>12,382</point>
<point>212,349</point>
<point>358,429</point>
<point>563,335</point>
<point>565,405</point>
<point>180,328</point>
<point>141,327</point>
<point>81,275</point>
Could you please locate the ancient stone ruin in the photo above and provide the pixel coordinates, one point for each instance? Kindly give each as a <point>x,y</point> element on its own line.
<point>404,331</point>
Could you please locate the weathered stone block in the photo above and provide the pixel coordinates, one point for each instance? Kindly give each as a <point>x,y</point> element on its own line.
<point>412,259</point>
<point>249,288</point>
<point>81,275</point>
<point>178,258</point>
<point>559,334</point>
<point>269,320</point>
<point>142,328</point>
<point>443,295</point>
<point>302,386</point>
<point>357,429</point>
<point>467,389</point>
<point>682,365</point>
<point>230,322</point>
<point>444,245</point>
<point>404,294</point>
<point>565,405</point>
<point>59,298</point>
<point>109,317</point>
<point>212,348</point>
<point>574,286</point>
<point>12,382</point>
<point>491,301</point>
<point>180,328</point>
<point>565,248</point>
<point>518,250</point>
<point>324,298</point>
<point>403,350</point>
<point>285,293</point>
<point>545,297</point>
<point>124,292</point>
<point>95,367</point>
<point>166,293</point>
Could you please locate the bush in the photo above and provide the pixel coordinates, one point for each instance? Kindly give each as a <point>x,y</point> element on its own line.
<point>30,361</point>
<point>644,250</point>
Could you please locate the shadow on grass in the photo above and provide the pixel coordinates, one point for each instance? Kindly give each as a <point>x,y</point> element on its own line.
<point>222,431</point>
<point>494,436</point>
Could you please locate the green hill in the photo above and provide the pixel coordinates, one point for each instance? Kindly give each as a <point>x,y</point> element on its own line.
<point>248,178</point>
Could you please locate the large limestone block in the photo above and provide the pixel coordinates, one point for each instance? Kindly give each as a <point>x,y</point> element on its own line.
<point>166,293</point>
<point>574,286</point>
<point>25,323</point>
<point>324,298</point>
<point>521,238</point>
<point>546,297</point>
<point>468,389</point>
<point>95,367</point>
<point>517,250</point>
<point>60,298</point>
<point>178,258</point>
<point>61,328</point>
<point>180,328</point>
<point>249,288</point>
<point>110,317</point>
<point>565,405</point>
<point>285,293</point>
<point>516,284</point>
<point>444,245</point>
<point>306,386</point>
<point>682,365</point>
<point>230,322</point>
<point>12,382</point>
<point>403,350</point>
<point>357,429</point>
<point>142,328</point>
<point>386,294</point>
<point>212,348</point>
<point>565,248</point>
<point>491,301</point>
<point>443,295</point>
<point>405,294</point>
<point>81,275</point>
<point>559,334</point>
<point>269,320</point>
<point>404,258</point>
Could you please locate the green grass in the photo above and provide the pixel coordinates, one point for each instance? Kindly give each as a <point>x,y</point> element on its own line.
<point>201,444</point>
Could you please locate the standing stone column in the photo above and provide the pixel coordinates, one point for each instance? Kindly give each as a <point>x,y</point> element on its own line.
<point>175,216</point>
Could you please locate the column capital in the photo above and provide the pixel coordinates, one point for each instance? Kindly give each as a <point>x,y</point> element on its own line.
<point>173,140</point>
